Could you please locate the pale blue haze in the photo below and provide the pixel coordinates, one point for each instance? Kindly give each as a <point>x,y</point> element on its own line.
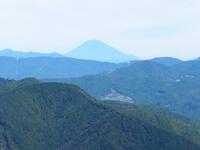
<point>142,28</point>
<point>153,32</point>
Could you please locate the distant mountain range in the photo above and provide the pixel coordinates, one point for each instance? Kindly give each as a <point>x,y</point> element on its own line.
<point>164,82</point>
<point>159,83</point>
<point>136,104</point>
<point>97,50</point>
<point>90,50</point>
<point>45,67</point>
<point>51,67</point>
<point>18,54</point>
<point>55,116</point>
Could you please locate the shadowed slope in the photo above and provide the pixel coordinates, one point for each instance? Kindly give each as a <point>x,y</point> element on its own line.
<point>61,116</point>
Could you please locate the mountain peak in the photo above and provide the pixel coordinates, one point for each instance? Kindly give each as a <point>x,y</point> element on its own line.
<point>100,51</point>
<point>94,42</point>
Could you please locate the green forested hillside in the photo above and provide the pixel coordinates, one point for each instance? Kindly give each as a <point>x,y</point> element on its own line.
<point>48,116</point>
<point>175,87</point>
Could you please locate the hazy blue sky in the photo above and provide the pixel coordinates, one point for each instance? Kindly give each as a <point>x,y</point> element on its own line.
<point>145,28</point>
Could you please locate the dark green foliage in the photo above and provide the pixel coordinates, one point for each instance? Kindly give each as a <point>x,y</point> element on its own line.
<point>9,85</point>
<point>53,116</point>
